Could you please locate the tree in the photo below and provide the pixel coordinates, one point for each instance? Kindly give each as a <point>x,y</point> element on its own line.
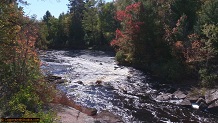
<point>107,22</point>
<point>76,33</point>
<point>47,17</point>
<point>41,40</point>
<point>20,77</point>
<point>90,23</point>
<point>126,39</point>
<point>62,31</point>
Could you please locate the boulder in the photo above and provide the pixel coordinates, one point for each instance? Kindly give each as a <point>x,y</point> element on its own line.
<point>200,104</point>
<point>80,82</point>
<point>98,82</point>
<point>71,115</point>
<point>186,103</point>
<point>60,81</point>
<point>179,95</point>
<point>61,98</point>
<point>211,98</point>
<point>193,97</point>
<point>164,97</point>
<point>107,117</point>
<point>52,78</point>
<point>68,115</point>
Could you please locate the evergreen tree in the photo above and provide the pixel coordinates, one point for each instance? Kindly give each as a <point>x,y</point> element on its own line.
<point>107,22</point>
<point>76,34</point>
<point>90,23</point>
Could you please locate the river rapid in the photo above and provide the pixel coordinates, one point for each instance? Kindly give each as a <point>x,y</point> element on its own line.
<point>123,91</point>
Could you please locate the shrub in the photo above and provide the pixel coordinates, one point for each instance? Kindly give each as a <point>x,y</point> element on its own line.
<point>120,57</point>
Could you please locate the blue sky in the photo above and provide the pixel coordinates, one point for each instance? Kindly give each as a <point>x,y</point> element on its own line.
<point>39,7</point>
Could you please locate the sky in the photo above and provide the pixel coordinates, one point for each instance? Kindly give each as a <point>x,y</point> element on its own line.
<point>39,7</point>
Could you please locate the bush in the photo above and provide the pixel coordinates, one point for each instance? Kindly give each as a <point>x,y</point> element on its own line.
<point>21,81</point>
<point>120,57</point>
<point>171,70</point>
<point>44,117</point>
<point>208,78</point>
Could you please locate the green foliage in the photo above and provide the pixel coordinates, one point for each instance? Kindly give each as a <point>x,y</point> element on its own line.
<point>41,41</point>
<point>208,78</point>
<point>47,17</point>
<point>120,57</point>
<point>90,23</point>
<point>208,13</point>
<point>209,56</point>
<point>24,100</point>
<point>20,76</point>
<point>172,70</point>
<point>76,32</point>
<point>179,52</point>
<point>108,24</point>
<point>211,41</point>
<point>44,117</point>
<point>169,38</point>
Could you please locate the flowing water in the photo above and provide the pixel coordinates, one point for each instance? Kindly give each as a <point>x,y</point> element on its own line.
<point>124,91</point>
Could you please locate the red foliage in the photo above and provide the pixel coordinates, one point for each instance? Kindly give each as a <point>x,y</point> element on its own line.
<point>131,26</point>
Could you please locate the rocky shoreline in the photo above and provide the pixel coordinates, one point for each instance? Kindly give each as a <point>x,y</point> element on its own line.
<point>66,114</point>
<point>198,99</point>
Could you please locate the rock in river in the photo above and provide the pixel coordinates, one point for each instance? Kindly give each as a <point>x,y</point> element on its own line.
<point>186,103</point>
<point>179,95</point>
<point>211,98</point>
<point>164,97</point>
<point>60,81</point>
<point>193,97</point>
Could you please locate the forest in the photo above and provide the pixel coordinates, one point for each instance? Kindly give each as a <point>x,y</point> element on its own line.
<point>174,40</point>
<point>171,39</point>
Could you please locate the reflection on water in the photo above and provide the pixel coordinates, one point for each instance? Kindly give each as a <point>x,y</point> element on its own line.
<point>124,91</point>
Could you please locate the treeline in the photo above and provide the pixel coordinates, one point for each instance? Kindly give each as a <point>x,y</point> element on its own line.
<point>174,39</point>
<point>23,90</point>
<point>88,24</point>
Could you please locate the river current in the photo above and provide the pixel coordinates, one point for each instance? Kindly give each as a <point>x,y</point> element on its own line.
<point>123,91</point>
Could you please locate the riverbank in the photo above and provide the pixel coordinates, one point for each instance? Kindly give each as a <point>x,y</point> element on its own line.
<point>95,80</point>
<point>67,114</point>
<point>69,111</point>
<point>186,96</point>
<point>204,99</point>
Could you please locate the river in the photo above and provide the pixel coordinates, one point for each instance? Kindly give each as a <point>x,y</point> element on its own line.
<point>124,91</point>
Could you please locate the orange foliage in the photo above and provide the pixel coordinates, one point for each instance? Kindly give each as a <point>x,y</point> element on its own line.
<point>179,45</point>
<point>194,51</point>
